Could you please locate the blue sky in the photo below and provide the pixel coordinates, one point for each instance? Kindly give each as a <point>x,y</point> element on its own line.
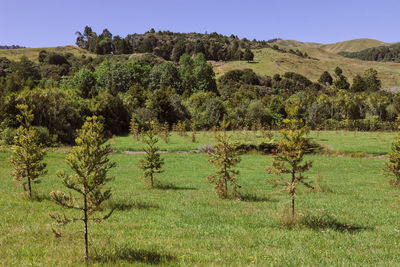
<point>42,23</point>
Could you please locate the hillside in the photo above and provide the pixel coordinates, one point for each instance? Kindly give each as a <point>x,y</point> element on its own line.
<point>32,53</point>
<point>268,62</point>
<point>353,45</point>
<point>345,46</point>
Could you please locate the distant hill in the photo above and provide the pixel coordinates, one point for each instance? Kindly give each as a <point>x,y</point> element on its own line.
<point>11,47</point>
<point>353,45</point>
<point>32,53</point>
<point>268,61</point>
<point>345,46</point>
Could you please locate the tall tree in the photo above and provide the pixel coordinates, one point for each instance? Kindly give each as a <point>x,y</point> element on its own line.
<point>89,160</point>
<point>27,158</point>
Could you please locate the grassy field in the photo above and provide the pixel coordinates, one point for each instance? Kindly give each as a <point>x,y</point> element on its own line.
<point>184,223</point>
<point>33,53</point>
<point>269,62</point>
<point>374,143</point>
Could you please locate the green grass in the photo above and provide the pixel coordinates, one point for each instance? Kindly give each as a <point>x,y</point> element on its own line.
<point>374,143</point>
<point>186,224</point>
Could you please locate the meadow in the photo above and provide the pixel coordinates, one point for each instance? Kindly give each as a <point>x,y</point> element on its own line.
<point>183,222</point>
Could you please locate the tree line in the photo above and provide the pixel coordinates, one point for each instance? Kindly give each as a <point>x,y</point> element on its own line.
<point>168,45</point>
<point>66,89</point>
<point>389,53</point>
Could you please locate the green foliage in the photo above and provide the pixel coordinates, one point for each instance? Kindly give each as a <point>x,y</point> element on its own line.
<point>84,81</point>
<point>89,160</point>
<point>248,55</point>
<point>163,76</point>
<point>325,79</point>
<point>289,158</point>
<point>28,154</point>
<point>152,162</point>
<point>224,157</point>
<point>393,163</point>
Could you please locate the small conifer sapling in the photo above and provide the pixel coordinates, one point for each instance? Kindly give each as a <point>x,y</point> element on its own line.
<point>290,158</point>
<point>27,158</point>
<point>152,161</point>
<point>89,161</point>
<point>393,164</point>
<point>224,157</point>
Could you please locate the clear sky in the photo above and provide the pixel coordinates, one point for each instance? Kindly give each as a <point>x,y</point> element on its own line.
<point>41,23</point>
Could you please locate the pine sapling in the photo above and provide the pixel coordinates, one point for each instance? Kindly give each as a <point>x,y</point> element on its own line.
<point>27,158</point>
<point>393,164</point>
<point>152,162</point>
<point>224,157</point>
<point>289,158</point>
<point>89,160</point>
<point>134,128</point>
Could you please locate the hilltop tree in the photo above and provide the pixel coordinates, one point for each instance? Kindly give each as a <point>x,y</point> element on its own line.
<point>289,159</point>
<point>224,157</point>
<point>152,162</point>
<point>27,159</point>
<point>89,160</point>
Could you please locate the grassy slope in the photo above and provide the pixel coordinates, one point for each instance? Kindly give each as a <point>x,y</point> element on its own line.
<point>32,53</point>
<point>190,226</point>
<point>268,62</point>
<point>353,45</point>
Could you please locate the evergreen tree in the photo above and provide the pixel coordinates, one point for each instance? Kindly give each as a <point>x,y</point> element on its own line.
<point>27,158</point>
<point>248,55</point>
<point>224,157</point>
<point>152,162</point>
<point>325,78</point>
<point>393,164</point>
<point>89,160</point>
<point>289,159</point>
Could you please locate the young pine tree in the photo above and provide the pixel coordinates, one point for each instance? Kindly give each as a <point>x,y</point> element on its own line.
<point>134,128</point>
<point>152,162</point>
<point>289,158</point>
<point>89,160</point>
<point>224,157</point>
<point>393,165</point>
<point>27,158</point>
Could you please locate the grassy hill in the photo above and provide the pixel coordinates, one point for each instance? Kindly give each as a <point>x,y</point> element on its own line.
<point>345,46</point>
<point>353,45</point>
<point>32,53</point>
<point>268,62</point>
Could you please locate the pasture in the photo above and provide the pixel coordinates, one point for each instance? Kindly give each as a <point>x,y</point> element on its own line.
<point>183,222</point>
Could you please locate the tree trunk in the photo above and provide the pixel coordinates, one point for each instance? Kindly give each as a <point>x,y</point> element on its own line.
<point>151,180</point>
<point>29,182</point>
<point>85,220</point>
<point>226,182</point>
<point>293,193</point>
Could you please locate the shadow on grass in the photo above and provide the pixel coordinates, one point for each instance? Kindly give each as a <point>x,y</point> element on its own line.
<point>122,205</point>
<point>248,197</point>
<point>36,196</point>
<point>163,186</point>
<point>132,255</point>
<point>326,221</point>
